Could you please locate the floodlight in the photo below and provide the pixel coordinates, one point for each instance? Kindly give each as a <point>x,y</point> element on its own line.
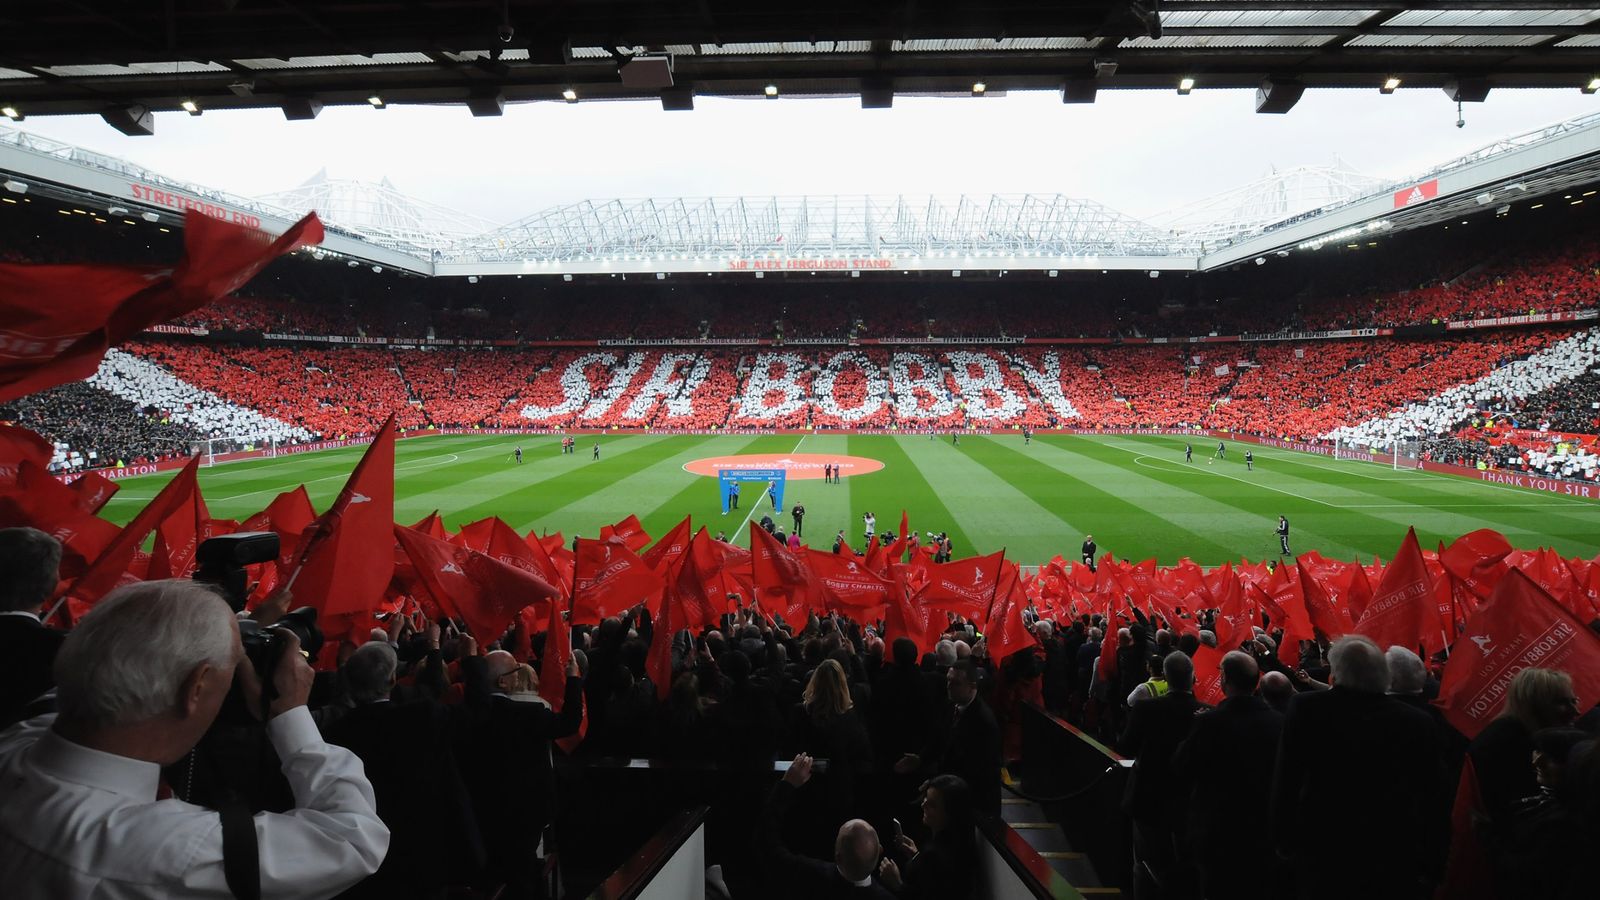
<point>978,88</point>
<point>377,268</point>
<point>11,113</point>
<point>190,107</point>
<point>771,90</point>
<point>472,279</point>
<point>569,95</point>
<point>150,217</point>
<point>1185,85</point>
<point>1389,85</point>
<point>117,210</point>
<point>376,101</point>
<point>15,186</point>
<point>1591,87</point>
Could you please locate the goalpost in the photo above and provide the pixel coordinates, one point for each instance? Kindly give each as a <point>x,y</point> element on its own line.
<point>1407,454</point>
<point>210,448</point>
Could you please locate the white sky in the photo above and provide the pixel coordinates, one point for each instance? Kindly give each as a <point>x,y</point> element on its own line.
<point>1137,151</point>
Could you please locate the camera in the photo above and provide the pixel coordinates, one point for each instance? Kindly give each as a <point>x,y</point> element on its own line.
<point>264,647</point>
<point>220,562</point>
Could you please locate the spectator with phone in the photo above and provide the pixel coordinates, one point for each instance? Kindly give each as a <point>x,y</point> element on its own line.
<point>947,868</point>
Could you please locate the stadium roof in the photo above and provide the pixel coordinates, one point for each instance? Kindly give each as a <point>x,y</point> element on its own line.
<point>1298,210</point>
<point>120,59</point>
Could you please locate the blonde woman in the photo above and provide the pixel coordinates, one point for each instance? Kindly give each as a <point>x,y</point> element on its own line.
<point>827,726</point>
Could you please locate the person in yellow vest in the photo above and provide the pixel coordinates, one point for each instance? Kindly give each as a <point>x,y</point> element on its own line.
<point>1155,686</point>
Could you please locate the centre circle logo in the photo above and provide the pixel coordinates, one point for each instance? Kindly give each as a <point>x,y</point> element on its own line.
<point>797,465</point>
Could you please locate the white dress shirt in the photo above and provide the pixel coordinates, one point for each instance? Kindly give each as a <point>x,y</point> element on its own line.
<point>80,823</point>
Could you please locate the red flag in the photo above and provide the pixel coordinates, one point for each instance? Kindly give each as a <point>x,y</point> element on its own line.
<point>1327,614</point>
<point>1005,632</point>
<point>1477,560</point>
<point>848,584</point>
<point>783,583</point>
<point>629,531</point>
<point>1402,613</point>
<point>666,551</point>
<point>35,499</point>
<point>110,567</point>
<point>658,662</point>
<point>484,591</point>
<point>609,579</point>
<point>346,556</point>
<point>1359,592</point>
<point>967,587</point>
<point>1208,675</point>
<point>287,516</point>
<point>432,526</point>
<point>558,570</point>
<point>18,444</point>
<point>1235,621</point>
<point>179,536</point>
<point>60,320</point>
<point>904,617</point>
<point>1519,627</point>
<point>93,490</point>
<point>553,671</point>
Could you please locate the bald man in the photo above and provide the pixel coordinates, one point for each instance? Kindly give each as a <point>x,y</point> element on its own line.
<point>851,874</point>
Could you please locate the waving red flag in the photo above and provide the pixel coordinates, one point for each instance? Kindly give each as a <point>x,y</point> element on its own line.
<point>1235,620</point>
<point>1403,612</point>
<point>482,590</point>
<point>1208,675</point>
<point>967,587</point>
<point>665,626</point>
<point>35,499</point>
<point>178,537</point>
<point>904,617</point>
<point>60,320</point>
<point>346,556</point>
<point>848,584</point>
<point>1326,613</point>
<point>666,551</point>
<point>783,584</point>
<point>432,526</point>
<point>1005,633</point>
<point>629,531</point>
<point>18,444</point>
<point>553,671</point>
<point>609,579</point>
<point>287,516</point>
<point>1359,592</point>
<point>1477,560</point>
<point>1519,627</point>
<point>111,566</point>
<point>93,491</point>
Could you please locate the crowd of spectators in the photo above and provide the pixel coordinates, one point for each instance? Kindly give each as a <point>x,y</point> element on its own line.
<point>430,758</point>
<point>91,428</point>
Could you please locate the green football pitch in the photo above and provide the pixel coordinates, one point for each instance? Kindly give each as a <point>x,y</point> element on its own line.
<point>1136,495</point>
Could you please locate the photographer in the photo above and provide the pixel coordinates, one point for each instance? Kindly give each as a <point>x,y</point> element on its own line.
<point>139,681</point>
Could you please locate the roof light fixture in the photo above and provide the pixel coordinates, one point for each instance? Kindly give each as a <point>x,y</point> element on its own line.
<point>1389,85</point>
<point>1185,85</point>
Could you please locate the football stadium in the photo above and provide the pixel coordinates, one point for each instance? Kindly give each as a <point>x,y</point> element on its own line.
<point>1140,448</point>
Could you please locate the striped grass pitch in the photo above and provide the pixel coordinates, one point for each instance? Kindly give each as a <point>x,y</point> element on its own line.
<point>1136,495</point>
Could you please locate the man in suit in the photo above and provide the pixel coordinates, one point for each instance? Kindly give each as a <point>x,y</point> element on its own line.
<point>29,564</point>
<point>970,745</point>
<point>1214,773</point>
<point>1154,731</point>
<point>855,851</point>
<point>406,750</point>
<point>1357,778</point>
<point>505,758</point>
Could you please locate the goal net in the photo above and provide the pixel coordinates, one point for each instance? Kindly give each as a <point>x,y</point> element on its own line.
<point>212,449</point>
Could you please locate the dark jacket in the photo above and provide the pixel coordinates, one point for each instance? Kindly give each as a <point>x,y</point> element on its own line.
<point>406,751</point>
<point>27,653</point>
<point>1216,774</point>
<point>1155,729</point>
<point>803,877</point>
<point>1356,778</point>
<point>970,748</point>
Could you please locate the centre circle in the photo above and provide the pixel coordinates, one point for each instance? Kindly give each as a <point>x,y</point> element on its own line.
<point>795,465</point>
